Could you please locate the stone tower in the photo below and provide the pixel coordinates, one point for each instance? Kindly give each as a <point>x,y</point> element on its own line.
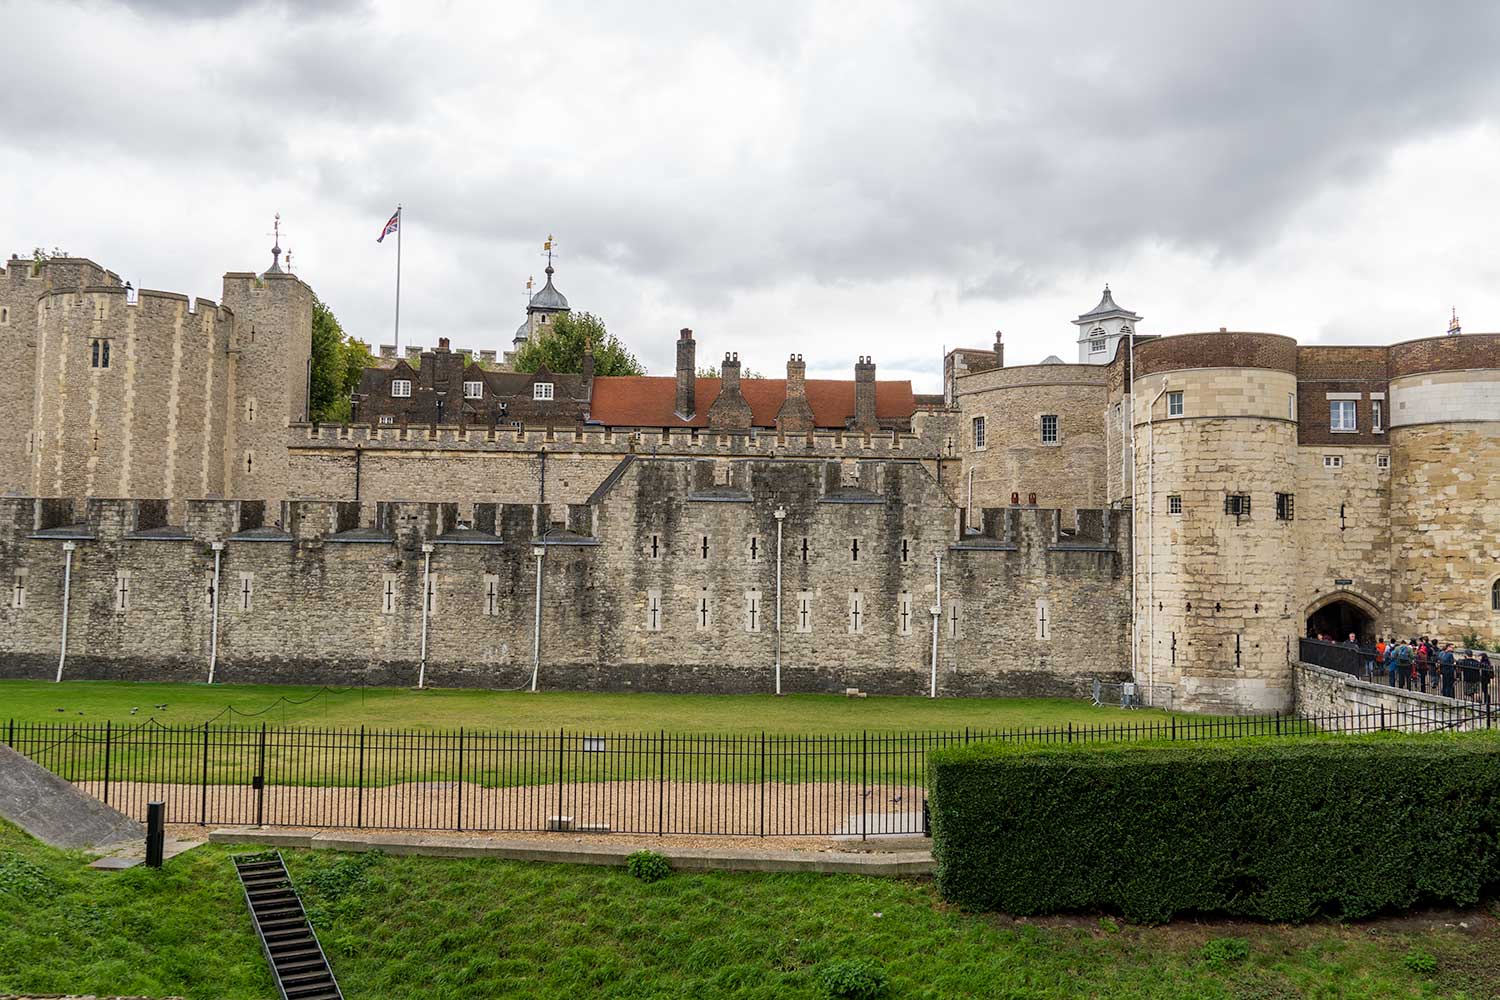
<point>1101,328</point>
<point>270,365</point>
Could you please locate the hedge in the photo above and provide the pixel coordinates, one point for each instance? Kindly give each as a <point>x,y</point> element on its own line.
<point>1280,831</point>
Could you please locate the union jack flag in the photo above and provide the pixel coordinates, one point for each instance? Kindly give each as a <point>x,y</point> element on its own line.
<point>390,227</point>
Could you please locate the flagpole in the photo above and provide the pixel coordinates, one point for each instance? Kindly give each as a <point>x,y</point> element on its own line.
<point>398,281</point>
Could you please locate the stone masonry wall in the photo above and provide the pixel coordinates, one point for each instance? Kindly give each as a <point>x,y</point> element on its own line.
<point>1343,530</point>
<point>1026,610</point>
<point>1329,694</point>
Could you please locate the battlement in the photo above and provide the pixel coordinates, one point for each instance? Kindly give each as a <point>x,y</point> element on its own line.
<point>147,300</point>
<point>58,272</point>
<point>1003,528</point>
<point>607,440</point>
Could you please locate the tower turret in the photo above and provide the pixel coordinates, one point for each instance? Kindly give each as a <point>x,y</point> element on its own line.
<point>1101,328</point>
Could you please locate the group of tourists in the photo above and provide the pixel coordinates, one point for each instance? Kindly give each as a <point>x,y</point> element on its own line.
<point>1414,664</point>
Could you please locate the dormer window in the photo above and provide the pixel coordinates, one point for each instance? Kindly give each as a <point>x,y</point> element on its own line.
<point>474,390</point>
<point>541,390</point>
<point>400,388</point>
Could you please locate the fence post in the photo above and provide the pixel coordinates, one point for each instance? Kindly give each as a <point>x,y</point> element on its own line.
<point>661,781</point>
<point>864,778</point>
<point>107,734</point>
<point>1174,728</point>
<point>460,778</point>
<point>359,809</point>
<point>12,740</point>
<point>762,782</point>
<point>560,736</point>
<point>203,813</point>
<point>1070,732</point>
<point>966,735</point>
<point>260,779</point>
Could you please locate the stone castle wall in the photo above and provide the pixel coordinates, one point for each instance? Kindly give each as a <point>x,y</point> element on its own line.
<point>308,602</point>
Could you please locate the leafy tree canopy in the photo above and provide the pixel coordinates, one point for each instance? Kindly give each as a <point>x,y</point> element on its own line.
<point>338,361</point>
<point>712,371</point>
<point>559,347</point>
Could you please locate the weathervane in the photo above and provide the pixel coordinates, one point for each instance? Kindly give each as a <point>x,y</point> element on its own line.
<point>1453,328</point>
<point>276,247</point>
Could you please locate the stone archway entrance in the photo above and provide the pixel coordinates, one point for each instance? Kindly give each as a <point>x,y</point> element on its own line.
<point>1339,614</point>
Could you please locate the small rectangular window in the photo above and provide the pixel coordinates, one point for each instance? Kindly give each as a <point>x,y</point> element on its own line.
<point>1285,506</point>
<point>1291,406</point>
<point>99,354</point>
<point>541,390</point>
<point>387,419</point>
<point>1341,416</point>
<point>400,388</point>
<point>473,390</point>
<point>1049,428</point>
<point>1096,346</point>
<point>1382,461</point>
<point>1174,504</point>
<point>1377,417</point>
<point>1333,461</point>
<point>978,433</point>
<point>1237,504</point>
<point>1174,404</point>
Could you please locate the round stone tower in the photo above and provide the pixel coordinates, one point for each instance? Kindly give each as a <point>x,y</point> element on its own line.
<point>1215,449</point>
<point>1445,486</point>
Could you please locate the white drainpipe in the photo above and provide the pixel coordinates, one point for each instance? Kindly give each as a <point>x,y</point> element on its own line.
<point>62,654</point>
<point>536,637</point>
<point>937,613</point>
<point>780,516</point>
<point>213,635</point>
<point>426,596</point>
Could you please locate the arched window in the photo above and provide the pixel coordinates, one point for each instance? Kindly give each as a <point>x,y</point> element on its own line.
<point>1495,596</point>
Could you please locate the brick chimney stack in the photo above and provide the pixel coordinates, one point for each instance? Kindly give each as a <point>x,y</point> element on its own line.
<point>730,411</point>
<point>795,415</point>
<point>999,351</point>
<point>864,396</point>
<point>687,375</point>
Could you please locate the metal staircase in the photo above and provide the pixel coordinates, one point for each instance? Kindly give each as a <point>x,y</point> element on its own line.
<point>297,961</point>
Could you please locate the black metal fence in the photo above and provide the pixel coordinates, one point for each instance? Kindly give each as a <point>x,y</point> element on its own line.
<point>1471,681</point>
<point>852,785</point>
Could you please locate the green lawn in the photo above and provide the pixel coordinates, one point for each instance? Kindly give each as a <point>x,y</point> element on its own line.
<point>398,927</point>
<point>405,708</point>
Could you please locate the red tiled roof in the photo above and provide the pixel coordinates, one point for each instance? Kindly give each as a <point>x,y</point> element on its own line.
<point>649,400</point>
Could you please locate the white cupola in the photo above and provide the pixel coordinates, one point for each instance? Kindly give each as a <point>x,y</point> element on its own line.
<point>1101,328</point>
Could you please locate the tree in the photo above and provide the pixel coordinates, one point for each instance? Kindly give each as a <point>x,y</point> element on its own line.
<point>559,348</point>
<point>338,361</point>
<point>712,371</point>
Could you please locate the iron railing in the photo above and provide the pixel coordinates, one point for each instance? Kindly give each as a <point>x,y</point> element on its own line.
<point>1471,681</point>
<point>759,785</point>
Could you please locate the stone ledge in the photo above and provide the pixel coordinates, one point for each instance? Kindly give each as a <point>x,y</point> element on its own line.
<point>895,863</point>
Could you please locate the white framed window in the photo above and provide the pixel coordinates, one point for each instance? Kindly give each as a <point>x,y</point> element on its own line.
<point>978,430</point>
<point>1333,461</point>
<point>1383,462</point>
<point>473,390</point>
<point>1342,418</point>
<point>1096,346</point>
<point>541,390</point>
<point>400,388</point>
<point>1377,416</point>
<point>1174,504</point>
<point>122,590</point>
<point>18,589</point>
<point>1174,404</point>
<point>246,594</point>
<point>387,420</point>
<point>1049,428</point>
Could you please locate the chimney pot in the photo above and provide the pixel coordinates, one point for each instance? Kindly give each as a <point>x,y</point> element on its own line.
<point>686,334</point>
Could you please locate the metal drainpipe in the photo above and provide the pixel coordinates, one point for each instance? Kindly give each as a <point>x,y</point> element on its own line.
<point>536,637</point>
<point>780,516</point>
<point>62,654</point>
<point>213,635</point>
<point>970,504</point>
<point>1135,611</point>
<point>1150,539</point>
<point>937,614</point>
<point>426,596</point>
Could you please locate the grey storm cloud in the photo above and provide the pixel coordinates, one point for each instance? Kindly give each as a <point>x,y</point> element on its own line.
<point>713,154</point>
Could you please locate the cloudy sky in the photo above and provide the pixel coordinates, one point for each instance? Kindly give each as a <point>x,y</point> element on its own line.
<point>825,177</point>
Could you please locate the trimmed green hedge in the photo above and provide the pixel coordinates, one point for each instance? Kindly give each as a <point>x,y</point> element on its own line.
<point>1280,831</point>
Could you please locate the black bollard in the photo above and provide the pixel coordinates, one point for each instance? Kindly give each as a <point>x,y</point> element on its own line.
<point>156,832</point>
